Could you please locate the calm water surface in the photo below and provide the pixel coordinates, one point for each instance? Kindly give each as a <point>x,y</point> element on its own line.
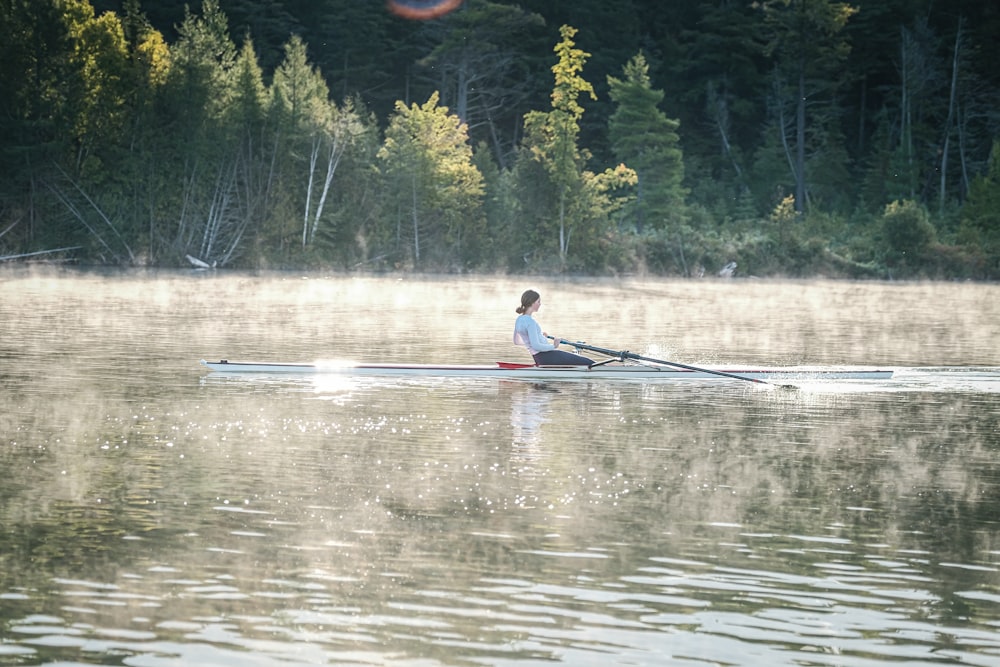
<point>153,514</point>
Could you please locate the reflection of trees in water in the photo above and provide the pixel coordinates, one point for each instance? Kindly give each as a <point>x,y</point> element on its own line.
<point>359,515</point>
<point>79,497</point>
<point>920,484</point>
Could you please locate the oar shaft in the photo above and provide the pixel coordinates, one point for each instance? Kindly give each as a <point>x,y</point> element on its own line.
<point>624,354</point>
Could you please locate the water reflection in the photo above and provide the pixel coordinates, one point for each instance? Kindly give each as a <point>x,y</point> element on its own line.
<point>153,514</point>
<point>529,406</point>
<point>679,537</point>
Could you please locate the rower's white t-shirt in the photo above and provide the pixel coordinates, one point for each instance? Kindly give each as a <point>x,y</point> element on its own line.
<point>528,332</point>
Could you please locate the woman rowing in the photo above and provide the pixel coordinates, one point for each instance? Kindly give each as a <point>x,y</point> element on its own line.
<point>528,333</point>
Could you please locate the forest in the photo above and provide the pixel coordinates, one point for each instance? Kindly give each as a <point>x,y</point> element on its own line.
<point>787,138</point>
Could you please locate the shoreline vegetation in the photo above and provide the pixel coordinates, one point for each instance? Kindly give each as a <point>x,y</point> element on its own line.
<point>834,139</point>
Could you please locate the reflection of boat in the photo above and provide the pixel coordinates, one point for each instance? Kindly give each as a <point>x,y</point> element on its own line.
<point>616,371</point>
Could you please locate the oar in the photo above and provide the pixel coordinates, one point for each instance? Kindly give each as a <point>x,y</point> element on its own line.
<point>625,354</point>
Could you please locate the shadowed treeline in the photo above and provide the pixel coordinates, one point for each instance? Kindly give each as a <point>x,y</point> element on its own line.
<point>775,138</point>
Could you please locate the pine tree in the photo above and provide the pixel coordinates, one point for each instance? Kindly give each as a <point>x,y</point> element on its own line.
<point>647,141</point>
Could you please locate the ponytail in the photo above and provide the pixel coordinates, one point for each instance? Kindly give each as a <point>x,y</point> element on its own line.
<point>527,299</point>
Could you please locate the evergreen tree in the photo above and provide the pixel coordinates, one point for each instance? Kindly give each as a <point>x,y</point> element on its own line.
<point>197,148</point>
<point>300,91</point>
<point>646,140</point>
<point>302,112</point>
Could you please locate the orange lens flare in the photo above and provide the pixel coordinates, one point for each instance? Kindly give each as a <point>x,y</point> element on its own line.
<point>422,10</point>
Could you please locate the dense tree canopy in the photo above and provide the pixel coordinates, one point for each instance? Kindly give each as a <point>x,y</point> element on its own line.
<point>793,137</point>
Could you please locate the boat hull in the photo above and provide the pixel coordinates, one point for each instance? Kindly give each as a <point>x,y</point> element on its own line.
<point>525,371</point>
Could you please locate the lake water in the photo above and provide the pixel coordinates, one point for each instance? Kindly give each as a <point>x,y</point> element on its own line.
<point>156,515</point>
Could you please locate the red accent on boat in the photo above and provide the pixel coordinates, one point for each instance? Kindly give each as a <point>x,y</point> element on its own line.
<point>511,365</point>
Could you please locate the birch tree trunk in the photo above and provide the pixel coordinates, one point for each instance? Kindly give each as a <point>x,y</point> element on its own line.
<point>563,240</point>
<point>313,157</point>
<point>336,152</point>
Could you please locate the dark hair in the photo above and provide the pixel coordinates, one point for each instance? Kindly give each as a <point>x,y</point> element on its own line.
<point>528,298</point>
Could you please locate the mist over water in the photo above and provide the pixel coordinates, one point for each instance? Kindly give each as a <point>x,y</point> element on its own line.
<point>155,514</point>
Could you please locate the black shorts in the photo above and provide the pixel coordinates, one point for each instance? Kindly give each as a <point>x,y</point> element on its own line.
<point>561,358</point>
